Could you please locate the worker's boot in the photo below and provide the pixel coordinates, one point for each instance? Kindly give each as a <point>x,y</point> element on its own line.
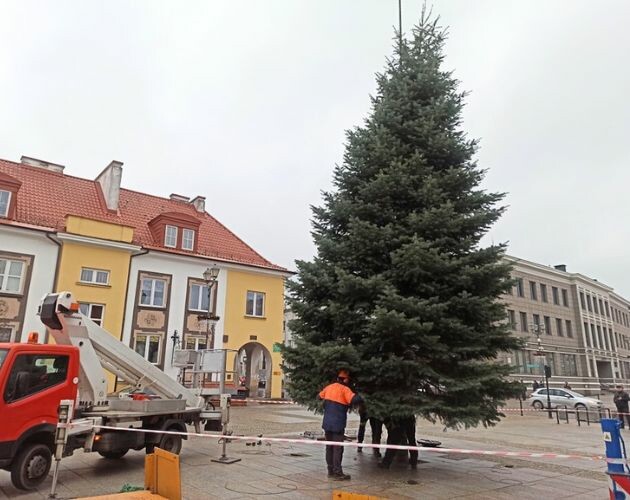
<point>330,472</point>
<point>377,453</point>
<point>341,477</point>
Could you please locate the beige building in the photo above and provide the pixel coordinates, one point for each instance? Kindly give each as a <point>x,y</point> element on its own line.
<point>582,324</point>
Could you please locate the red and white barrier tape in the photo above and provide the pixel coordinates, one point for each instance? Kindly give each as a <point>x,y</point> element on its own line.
<point>348,444</point>
<point>269,401</point>
<point>559,408</point>
<point>285,402</point>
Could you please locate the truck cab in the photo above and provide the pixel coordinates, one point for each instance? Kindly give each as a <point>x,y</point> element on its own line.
<point>33,379</point>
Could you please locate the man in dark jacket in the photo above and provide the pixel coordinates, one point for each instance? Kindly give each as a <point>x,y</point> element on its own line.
<point>377,429</point>
<point>400,430</point>
<point>338,398</point>
<point>622,402</point>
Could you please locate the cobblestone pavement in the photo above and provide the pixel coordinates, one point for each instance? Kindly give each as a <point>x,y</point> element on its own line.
<point>298,471</point>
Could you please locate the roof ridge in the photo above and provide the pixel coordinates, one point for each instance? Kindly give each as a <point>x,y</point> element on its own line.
<point>46,171</point>
<point>156,196</point>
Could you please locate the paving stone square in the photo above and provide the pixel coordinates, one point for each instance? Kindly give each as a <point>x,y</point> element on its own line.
<point>283,470</point>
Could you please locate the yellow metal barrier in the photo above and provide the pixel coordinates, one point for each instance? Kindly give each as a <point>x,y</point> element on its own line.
<point>161,480</point>
<point>161,474</point>
<point>346,495</point>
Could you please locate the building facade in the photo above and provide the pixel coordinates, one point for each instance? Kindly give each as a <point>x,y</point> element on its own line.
<point>136,262</point>
<point>28,261</point>
<point>582,326</point>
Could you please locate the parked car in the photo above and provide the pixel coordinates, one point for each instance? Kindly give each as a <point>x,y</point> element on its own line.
<point>561,398</point>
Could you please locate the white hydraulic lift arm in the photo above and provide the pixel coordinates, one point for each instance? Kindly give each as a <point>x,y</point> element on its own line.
<point>100,351</point>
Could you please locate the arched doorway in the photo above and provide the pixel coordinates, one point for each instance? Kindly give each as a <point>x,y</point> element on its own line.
<point>253,366</point>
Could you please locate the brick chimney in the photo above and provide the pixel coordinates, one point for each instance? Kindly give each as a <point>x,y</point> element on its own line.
<point>199,202</point>
<point>47,165</point>
<point>109,180</point>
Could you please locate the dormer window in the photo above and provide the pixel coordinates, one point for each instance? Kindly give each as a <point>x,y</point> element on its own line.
<point>188,239</point>
<point>9,188</point>
<point>170,236</point>
<point>176,230</point>
<point>5,200</point>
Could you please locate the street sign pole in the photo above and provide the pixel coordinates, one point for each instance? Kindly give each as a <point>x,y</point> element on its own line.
<point>547,375</point>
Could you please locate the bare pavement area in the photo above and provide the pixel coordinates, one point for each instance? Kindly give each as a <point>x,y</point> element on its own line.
<point>283,470</point>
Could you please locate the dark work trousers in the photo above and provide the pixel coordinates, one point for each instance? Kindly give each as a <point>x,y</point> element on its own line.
<point>377,429</point>
<point>334,454</point>
<point>399,431</point>
<point>624,412</point>
<point>363,418</point>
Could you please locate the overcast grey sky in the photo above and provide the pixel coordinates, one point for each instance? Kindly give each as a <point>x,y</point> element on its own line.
<point>246,102</point>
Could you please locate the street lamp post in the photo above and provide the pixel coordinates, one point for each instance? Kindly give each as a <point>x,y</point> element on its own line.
<point>175,339</point>
<point>210,276</point>
<point>537,329</point>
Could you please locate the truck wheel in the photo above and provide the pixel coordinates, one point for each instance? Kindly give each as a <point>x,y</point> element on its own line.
<point>113,455</point>
<point>171,443</point>
<point>31,466</point>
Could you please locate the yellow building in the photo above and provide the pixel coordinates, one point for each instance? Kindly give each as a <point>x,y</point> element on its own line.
<point>94,265</point>
<point>254,312</point>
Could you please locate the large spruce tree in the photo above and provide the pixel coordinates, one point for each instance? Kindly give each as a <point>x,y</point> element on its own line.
<point>400,291</point>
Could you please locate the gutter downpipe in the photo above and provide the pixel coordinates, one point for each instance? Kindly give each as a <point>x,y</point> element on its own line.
<point>56,276</point>
<point>137,254</point>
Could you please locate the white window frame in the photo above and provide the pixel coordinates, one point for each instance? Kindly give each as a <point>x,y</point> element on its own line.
<point>166,236</point>
<point>6,211</point>
<point>196,339</point>
<point>152,296</point>
<point>198,306</point>
<point>90,305</point>
<point>146,347</point>
<point>191,232</point>
<point>11,332</point>
<point>255,313</point>
<point>94,274</point>
<point>5,275</point>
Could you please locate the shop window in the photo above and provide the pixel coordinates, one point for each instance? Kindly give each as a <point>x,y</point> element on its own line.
<point>149,347</point>
<point>196,343</point>
<point>6,334</point>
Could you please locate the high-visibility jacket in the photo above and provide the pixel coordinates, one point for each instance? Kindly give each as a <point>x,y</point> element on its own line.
<point>337,400</point>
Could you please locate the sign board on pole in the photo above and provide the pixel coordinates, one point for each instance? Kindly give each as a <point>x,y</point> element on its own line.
<point>213,361</point>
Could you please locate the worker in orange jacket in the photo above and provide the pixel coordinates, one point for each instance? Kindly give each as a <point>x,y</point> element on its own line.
<point>338,398</point>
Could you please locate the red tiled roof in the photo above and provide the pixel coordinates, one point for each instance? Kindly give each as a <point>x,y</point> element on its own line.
<point>46,198</point>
